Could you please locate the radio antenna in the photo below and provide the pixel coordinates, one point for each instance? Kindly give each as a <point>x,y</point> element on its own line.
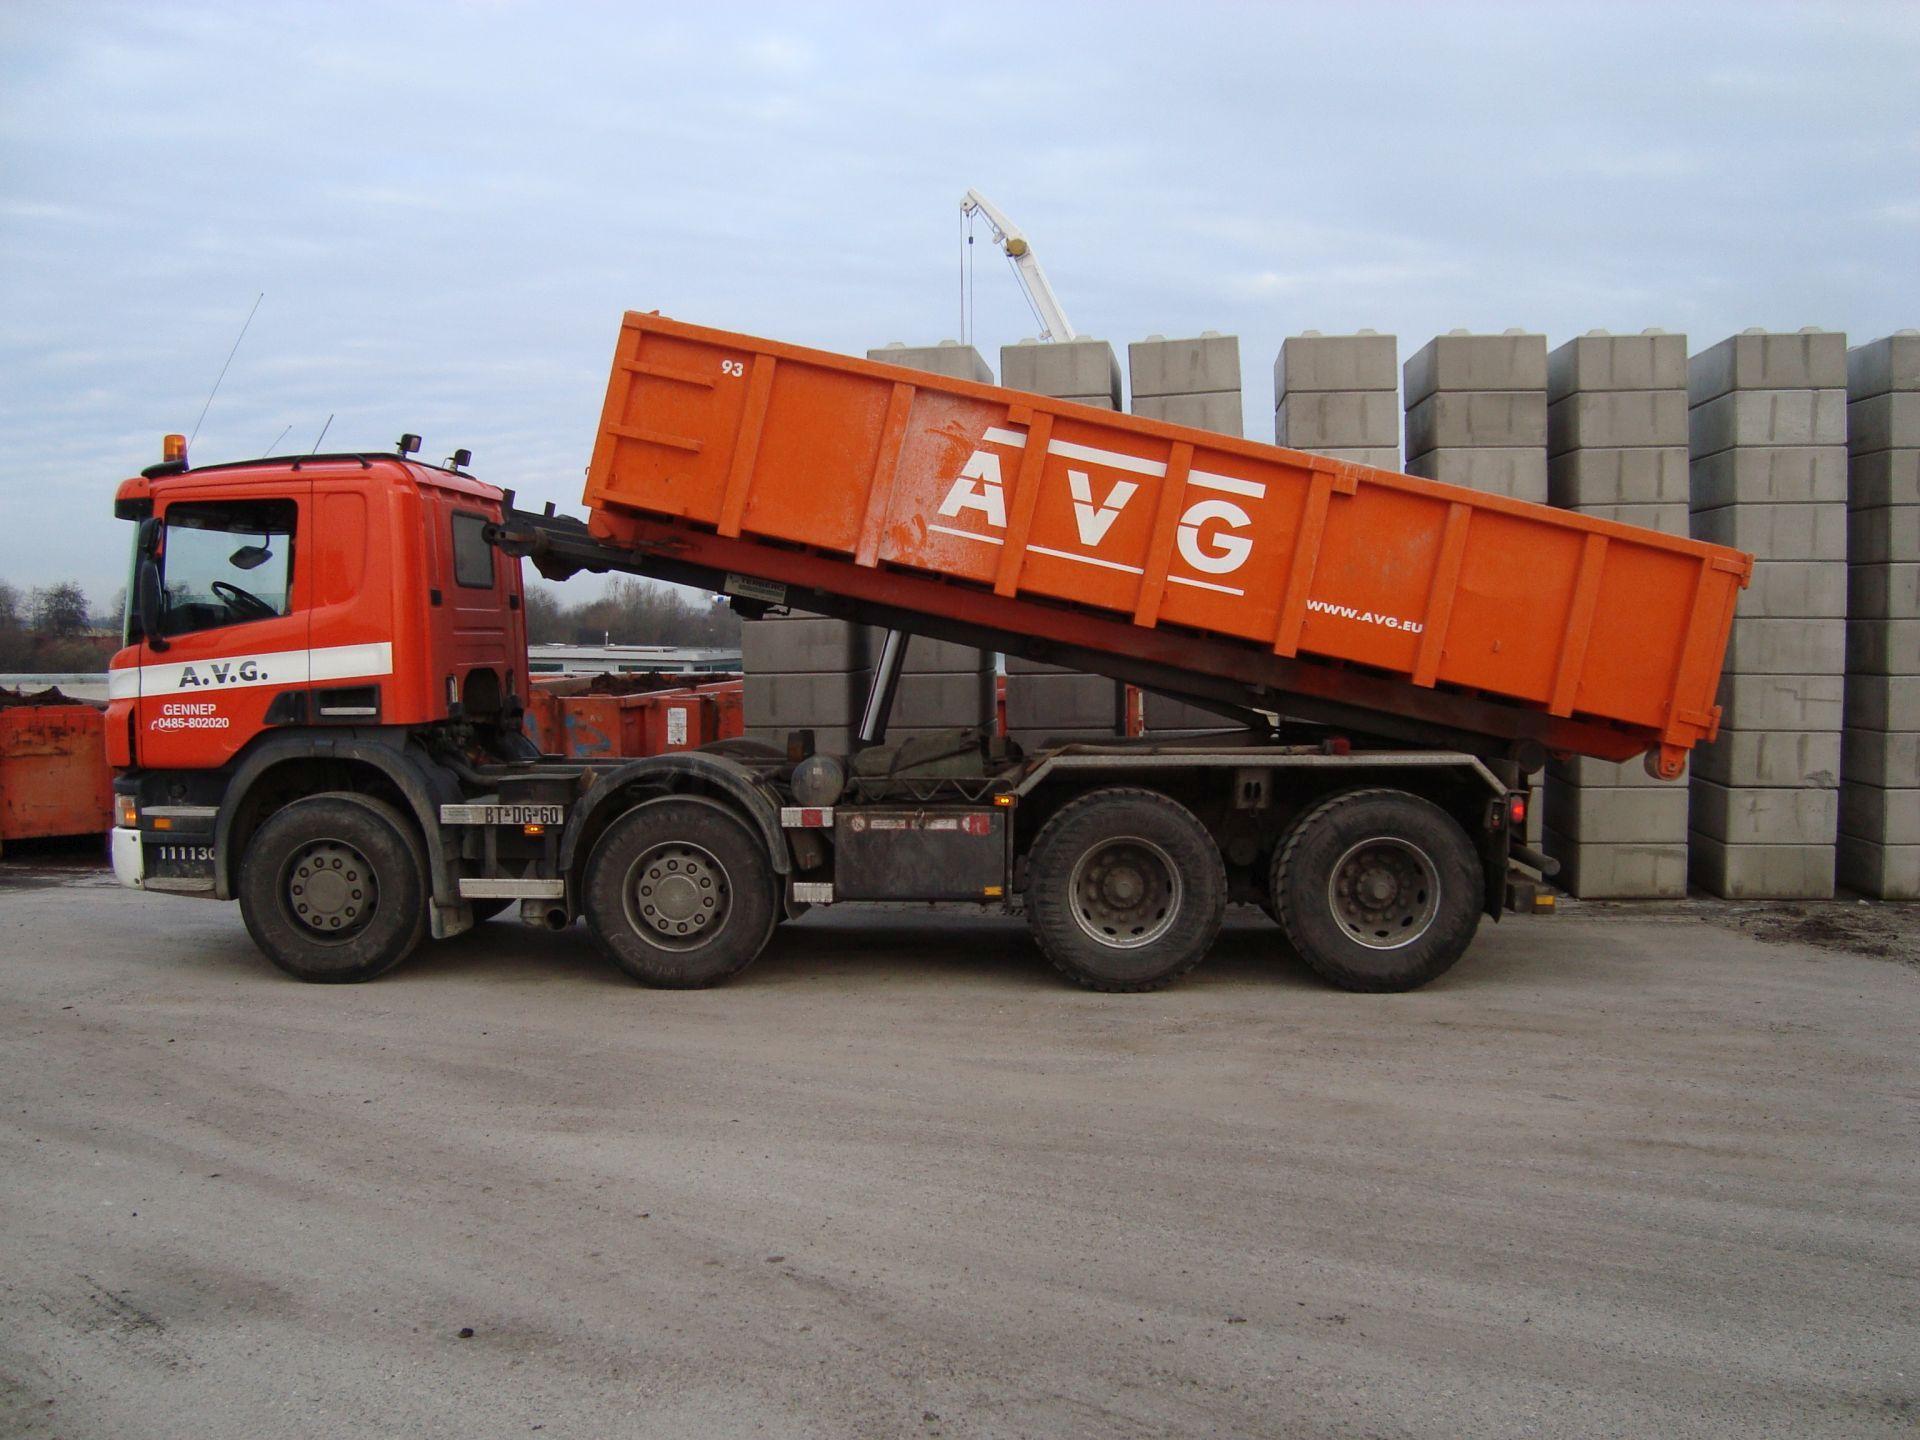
<point>321,436</point>
<point>277,439</point>
<point>223,369</point>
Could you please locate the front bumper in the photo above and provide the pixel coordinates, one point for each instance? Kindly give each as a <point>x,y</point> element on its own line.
<point>129,862</point>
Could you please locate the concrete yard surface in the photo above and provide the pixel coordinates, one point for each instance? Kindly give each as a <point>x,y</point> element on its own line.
<point>1623,1172</point>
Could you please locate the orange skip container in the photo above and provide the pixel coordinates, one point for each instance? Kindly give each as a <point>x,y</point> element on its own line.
<point>1289,571</point>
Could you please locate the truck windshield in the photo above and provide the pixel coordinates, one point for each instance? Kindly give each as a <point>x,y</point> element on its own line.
<point>226,563</point>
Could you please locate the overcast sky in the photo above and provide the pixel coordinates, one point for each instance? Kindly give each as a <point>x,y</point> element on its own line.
<point>449,206</point>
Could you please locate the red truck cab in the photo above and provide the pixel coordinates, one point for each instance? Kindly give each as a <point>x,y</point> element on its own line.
<point>301,595</point>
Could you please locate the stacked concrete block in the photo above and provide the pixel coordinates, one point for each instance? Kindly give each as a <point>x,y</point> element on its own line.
<point>1476,415</point>
<point>1879,843</point>
<point>1477,412</point>
<point>949,358</point>
<point>1767,432</point>
<point>1189,382</point>
<point>1339,395</point>
<point>1617,449</point>
<point>1085,371</point>
<point>805,672</point>
<point>1045,702</point>
<point>942,685</point>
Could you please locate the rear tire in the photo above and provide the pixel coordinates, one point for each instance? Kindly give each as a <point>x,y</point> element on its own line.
<point>1378,890</point>
<point>1125,890</point>
<point>333,888</point>
<point>679,894</point>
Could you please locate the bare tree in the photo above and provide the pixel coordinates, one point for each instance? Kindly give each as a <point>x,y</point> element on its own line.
<point>60,611</point>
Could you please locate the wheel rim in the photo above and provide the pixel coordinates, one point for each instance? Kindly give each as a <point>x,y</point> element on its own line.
<point>1125,892</point>
<point>1384,892</point>
<point>330,889</point>
<point>677,895</point>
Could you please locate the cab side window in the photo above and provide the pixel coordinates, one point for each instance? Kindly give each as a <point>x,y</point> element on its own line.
<point>226,562</point>
<point>472,555</point>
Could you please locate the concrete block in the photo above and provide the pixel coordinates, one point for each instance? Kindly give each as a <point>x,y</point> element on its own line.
<point>1757,360</point>
<point>1619,872</point>
<point>1597,361</point>
<point>1883,702</point>
<point>1789,647</point>
<point>1883,592</point>
<point>1088,704</point>
<point>1316,419</point>
<point>1617,816</point>
<point>1772,759</point>
<point>1777,532</point>
<point>1518,473</point>
<point>1744,815</point>
<point>1884,477</point>
<point>805,644</point>
<point>1310,362</point>
<point>1466,419</point>
<point>1889,759</point>
<point>789,702</point>
<point>1219,412</point>
<point>933,701</point>
<point>1883,647</point>
<point>1379,457</point>
<point>1884,422</point>
<point>1886,872</point>
<point>1608,775</point>
<point>1790,475</point>
<point>1616,419</point>
<point>827,739</point>
<point>1459,361</point>
<point>1885,535</point>
<point>1162,714</point>
<point>1889,363</point>
<point>1205,364</point>
<point>1021,665</point>
<point>1768,417</point>
<point>1760,872</point>
<point>1084,370</point>
<point>949,358</point>
<point>1796,589</point>
<point>1667,519</point>
<point>1781,702</point>
<point>927,656</point>
<point>1890,817</point>
<point>1645,476</point>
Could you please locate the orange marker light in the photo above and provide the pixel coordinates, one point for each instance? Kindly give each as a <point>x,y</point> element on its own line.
<point>533,829</point>
<point>173,448</point>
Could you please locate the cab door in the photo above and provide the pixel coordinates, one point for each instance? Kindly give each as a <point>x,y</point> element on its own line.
<point>232,636</point>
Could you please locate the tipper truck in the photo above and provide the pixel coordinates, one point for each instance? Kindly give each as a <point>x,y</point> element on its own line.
<point>318,712</point>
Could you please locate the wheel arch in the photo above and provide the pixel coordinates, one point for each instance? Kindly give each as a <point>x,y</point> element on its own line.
<point>689,772</point>
<point>289,768</point>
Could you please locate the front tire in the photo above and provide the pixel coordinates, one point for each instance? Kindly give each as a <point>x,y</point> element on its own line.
<point>1125,890</point>
<point>679,894</point>
<point>1378,890</point>
<point>333,888</point>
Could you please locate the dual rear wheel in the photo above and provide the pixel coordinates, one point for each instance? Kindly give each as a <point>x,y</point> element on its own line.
<point>1377,890</point>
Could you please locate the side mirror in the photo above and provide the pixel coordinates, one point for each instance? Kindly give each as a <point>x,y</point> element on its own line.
<point>250,557</point>
<point>149,601</point>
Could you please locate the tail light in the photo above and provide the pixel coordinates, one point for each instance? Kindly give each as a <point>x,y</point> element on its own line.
<point>1517,811</point>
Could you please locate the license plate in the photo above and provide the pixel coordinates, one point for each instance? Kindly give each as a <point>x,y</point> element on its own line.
<point>503,814</point>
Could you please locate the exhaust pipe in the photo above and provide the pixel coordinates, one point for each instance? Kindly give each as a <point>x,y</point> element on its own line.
<point>544,912</point>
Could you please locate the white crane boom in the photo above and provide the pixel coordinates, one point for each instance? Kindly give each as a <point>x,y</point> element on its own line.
<point>1054,324</point>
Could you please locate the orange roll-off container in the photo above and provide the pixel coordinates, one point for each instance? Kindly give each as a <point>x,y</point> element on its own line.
<point>1287,571</point>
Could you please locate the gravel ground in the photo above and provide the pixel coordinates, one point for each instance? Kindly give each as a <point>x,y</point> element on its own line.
<point>1624,1172</point>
